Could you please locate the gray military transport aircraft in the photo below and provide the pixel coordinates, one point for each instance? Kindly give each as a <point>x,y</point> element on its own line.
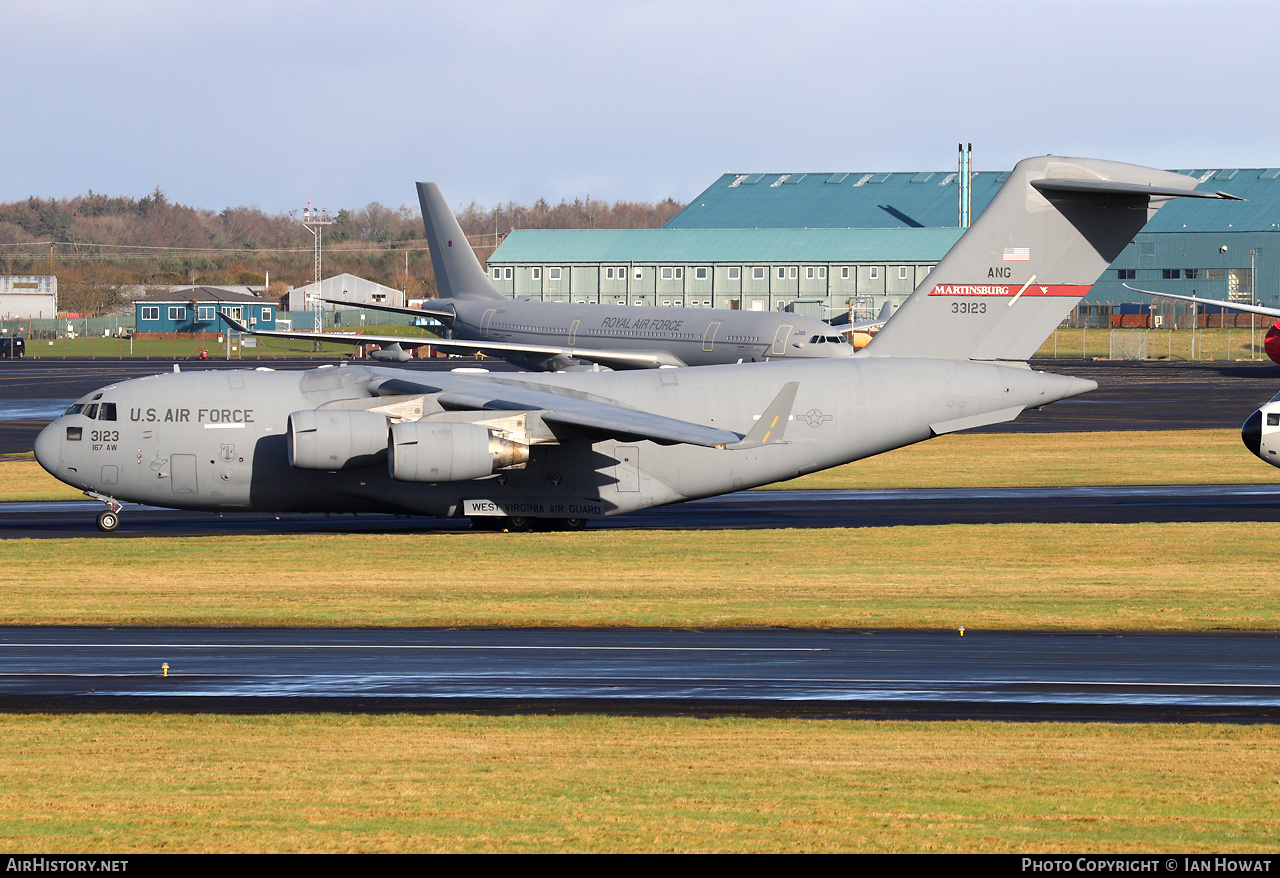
<point>556,450</point>
<point>557,337</point>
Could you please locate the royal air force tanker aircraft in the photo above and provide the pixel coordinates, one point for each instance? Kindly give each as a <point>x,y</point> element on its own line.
<point>556,450</point>
<point>558,337</point>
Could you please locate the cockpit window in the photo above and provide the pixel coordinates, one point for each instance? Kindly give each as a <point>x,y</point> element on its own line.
<point>95,397</point>
<point>1273,419</point>
<point>75,409</point>
<point>91,411</point>
<point>107,412</point>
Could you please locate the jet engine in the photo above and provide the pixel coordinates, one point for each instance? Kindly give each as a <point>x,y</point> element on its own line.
<point>450,452</point>
<point>1261,432</point>
<point>334,440</point>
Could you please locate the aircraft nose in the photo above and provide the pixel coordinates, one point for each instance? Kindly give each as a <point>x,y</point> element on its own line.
<point>47,447</point>
<point>1251,433</point>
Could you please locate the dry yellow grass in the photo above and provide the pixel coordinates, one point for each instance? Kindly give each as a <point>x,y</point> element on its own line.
<point>1078,576</point>
<point>326,783</point>
<point>999,460</point>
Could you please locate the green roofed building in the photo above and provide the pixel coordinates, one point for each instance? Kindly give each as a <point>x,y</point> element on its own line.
<point>812,271</point>
<point>824,243</point>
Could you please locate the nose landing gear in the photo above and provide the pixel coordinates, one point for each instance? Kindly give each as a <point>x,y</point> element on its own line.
<point>108,519</point>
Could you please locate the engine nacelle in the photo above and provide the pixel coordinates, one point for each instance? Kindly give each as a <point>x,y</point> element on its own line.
<point>449,452</point>
<point>336,439</point>
<point>1261,432</point>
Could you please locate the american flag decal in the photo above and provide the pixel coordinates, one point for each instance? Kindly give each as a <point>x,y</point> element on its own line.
<point>451,243</point>
<point>1017,254</point>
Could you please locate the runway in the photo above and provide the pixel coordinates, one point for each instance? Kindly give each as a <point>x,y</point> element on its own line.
<point>741,511</point>
<point>1037,675</point>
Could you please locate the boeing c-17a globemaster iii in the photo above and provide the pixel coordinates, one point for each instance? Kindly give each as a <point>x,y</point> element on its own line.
<point>556,450</point>
<point>556,337</point>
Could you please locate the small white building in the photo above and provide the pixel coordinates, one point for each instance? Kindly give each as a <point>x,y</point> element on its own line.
<point>345,288</point>
<point>28,297</point>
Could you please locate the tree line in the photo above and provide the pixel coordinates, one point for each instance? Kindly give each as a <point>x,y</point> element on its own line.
<point>98,246</point>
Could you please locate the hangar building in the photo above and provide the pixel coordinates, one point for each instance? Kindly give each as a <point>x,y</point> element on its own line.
<point>829,242</point>
<point>28,297</point>
<point>346,288</point>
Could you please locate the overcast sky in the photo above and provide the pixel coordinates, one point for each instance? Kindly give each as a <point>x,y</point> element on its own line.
<point>272,103</point>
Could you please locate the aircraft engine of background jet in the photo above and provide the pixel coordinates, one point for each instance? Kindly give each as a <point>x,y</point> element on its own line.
<point>1261,432</point>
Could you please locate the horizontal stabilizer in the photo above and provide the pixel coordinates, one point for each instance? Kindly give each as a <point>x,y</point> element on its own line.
<point>1108,187</point>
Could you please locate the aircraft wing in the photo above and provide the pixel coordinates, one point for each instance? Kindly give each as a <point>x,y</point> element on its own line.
<point>637,359</point>
<point>594,416</point>
<point>1233,306</point>
<point>445,313</point>
<point>350,338</point>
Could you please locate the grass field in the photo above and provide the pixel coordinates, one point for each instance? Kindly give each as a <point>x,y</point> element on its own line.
<point>329,783</point>
<point>1207,344</point>
<point>1083,577</point>
<point>993,460</point>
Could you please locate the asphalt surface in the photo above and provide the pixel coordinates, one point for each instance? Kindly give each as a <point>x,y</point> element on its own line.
<point>745,510</point>
<point>869,673</point>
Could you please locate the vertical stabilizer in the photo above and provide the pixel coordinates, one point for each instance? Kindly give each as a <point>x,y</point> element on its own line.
<point>1047,236</point>
<point>458,272</point>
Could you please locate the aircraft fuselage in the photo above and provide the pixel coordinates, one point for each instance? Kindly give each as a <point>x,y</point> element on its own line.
<point>220,440</point>
<point>697,337</point>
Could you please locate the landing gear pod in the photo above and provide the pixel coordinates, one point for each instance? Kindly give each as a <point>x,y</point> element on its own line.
<point>450,452</point>
<point>334,440</point>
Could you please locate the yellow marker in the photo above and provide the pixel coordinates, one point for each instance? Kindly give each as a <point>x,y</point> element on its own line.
<point>165,668</point>
<point>962,631</point>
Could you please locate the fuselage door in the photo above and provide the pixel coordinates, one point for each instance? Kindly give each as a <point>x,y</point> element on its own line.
<point>780,337</point>
<point>485,321</point>
<point>709,337</point>
<point>573,332</point>
<point>182,473</point>
<point>626,471</point>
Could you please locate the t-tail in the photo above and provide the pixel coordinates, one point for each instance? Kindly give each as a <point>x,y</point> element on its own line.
<point>458,272</point>
<point>1046,237</point>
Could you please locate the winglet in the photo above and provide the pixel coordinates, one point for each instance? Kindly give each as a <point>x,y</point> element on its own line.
<point>772,425</point>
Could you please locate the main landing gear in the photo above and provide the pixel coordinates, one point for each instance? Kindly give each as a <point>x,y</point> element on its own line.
<point>524,523</point>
